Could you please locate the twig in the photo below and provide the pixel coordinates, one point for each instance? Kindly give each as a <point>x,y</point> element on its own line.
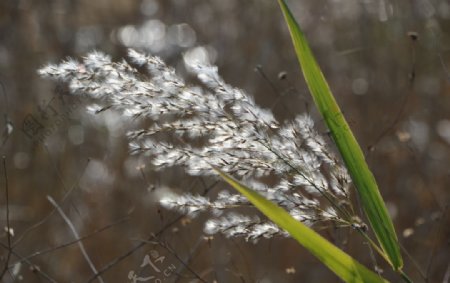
<point>246,263</point>
<point>130,251</point>
<point>34,267</point>
<point>414,262</point>
<point>196,246</point>
<point>441,59</point>
<point>8,124</point>
<point>405,277</point>
<point>436,238</point>
<point>140,245</point>
<point>172,252</point>
<point>75,233</point>
<point>49,250</point>
<point>371,251</point>
<point>43,220</point>
<point>5,95</point>
<point>8,227</point>
<point>185,263</point>
<point>61,179</point>
<point>274,89</point>
<point>405,100</point>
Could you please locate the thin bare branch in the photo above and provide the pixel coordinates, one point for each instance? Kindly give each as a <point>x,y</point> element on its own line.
<point>49,250</point>
<point>142,244</point>
<point>76,235</point>
<point>34,268</point>
<point>8,226</point>
<point>45,218</point>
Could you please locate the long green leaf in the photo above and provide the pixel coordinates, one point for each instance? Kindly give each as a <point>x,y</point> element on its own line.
<point>352,154</point>
<point>335,259</point>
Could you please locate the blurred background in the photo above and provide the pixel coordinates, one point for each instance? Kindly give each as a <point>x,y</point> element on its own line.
<point>385,60</point>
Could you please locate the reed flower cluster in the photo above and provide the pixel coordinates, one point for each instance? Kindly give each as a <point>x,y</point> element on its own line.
<point>214,125</point>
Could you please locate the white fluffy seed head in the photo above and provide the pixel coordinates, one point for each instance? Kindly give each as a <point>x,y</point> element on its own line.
<point>213,124</point>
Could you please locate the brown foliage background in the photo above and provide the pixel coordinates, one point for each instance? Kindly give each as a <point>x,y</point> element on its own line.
<point>393,88</point>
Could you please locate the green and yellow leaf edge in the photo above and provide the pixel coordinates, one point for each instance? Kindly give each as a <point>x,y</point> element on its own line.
<point>343,265</point>
<point>349,148</point>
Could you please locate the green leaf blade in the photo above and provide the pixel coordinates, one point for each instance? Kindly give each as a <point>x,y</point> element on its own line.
<point>335,259</point>
<point>349,148</point>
